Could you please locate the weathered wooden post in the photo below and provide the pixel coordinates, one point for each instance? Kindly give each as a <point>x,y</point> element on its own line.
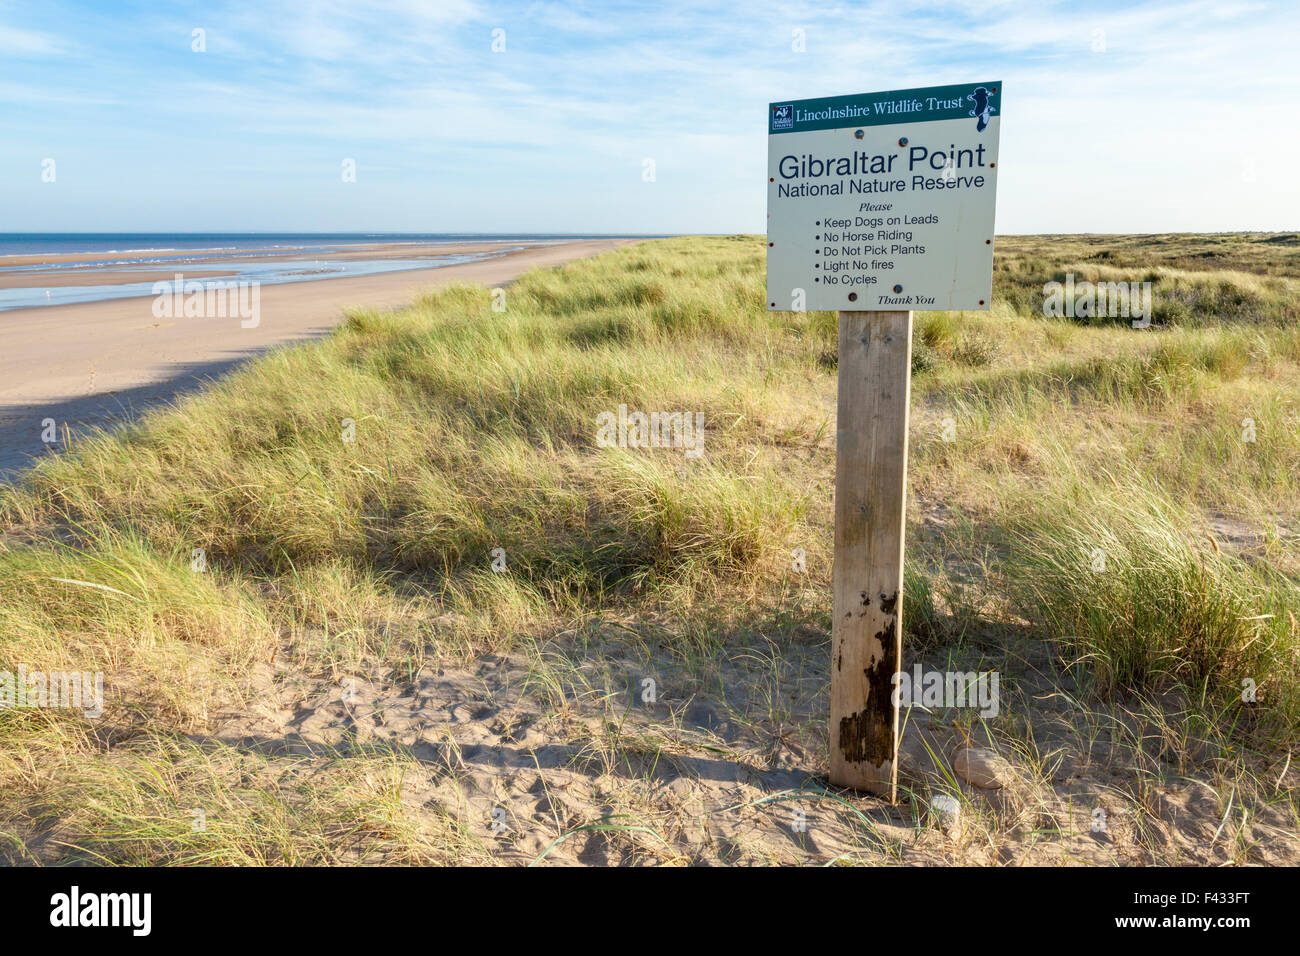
<point>877,202</point>
<point>875,376</point>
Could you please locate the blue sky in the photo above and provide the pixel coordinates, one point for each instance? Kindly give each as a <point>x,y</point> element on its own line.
<point>1135,117</point>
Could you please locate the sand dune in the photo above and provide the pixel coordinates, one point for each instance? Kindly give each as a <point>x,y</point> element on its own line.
<point>99,362</point>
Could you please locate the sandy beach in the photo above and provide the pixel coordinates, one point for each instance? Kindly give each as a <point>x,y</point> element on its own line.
<point>96,363</point>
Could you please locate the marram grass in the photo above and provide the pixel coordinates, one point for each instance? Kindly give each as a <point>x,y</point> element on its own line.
<point>349,496</point>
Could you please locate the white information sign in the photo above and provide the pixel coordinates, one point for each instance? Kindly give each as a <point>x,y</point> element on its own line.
<point>883,201</point>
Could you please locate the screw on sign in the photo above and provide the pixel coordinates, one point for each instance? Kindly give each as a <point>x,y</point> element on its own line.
<point>878,204</point>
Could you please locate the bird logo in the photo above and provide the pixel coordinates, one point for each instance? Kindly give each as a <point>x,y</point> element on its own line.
<point>982,108</point>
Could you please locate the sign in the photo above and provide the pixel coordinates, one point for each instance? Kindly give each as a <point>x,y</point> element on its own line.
<point>883,201</point>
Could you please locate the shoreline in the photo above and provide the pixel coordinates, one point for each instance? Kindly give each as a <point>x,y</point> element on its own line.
<point>82,269</point>
<point>95,364</point>
<point>335,248</point>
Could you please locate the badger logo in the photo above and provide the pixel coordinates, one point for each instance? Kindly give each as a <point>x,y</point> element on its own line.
<point>982,108</point>
<point>783,116</point>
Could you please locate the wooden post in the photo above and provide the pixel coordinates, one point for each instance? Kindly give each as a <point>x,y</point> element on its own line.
<point>875,378</point>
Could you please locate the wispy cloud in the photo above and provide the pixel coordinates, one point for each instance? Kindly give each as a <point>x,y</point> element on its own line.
<point>16,42</point>
<point>1124,116</point>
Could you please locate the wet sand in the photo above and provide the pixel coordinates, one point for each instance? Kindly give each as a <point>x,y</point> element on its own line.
<point>96,363</point>
<point>42,279</point>
<point>146,266</point>
<point>150,258</point>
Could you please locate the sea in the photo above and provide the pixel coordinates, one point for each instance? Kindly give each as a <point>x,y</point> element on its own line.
<point>268,258</point>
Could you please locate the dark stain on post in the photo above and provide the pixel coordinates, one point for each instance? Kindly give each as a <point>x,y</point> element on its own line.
<point>889,604</point>
<point>887,634</point>
<point>868,735</point>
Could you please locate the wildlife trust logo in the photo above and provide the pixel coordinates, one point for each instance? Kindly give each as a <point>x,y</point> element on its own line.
<point>783,116</point>
<point>983,107</point>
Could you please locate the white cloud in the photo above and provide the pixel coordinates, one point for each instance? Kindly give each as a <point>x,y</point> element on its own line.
<point>1115,139</point>
<point>28,43</point>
